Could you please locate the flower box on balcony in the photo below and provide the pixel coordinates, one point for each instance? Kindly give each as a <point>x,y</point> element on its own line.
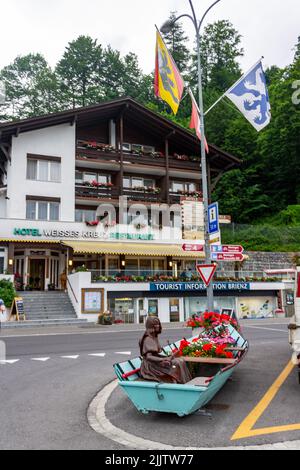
<point>93,223</point>
<point>93,145</point>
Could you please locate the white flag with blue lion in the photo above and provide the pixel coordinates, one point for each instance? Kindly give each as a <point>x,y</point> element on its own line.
<point>250,95</point>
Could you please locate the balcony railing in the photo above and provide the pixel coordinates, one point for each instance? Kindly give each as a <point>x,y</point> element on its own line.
<point>144,275</point>
<point>142,195</point>
<point>104,152</point>
<point>96,192</point>
<point>90,191</point>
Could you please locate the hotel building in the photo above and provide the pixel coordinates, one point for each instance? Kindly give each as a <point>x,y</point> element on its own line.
<point>89,190</point>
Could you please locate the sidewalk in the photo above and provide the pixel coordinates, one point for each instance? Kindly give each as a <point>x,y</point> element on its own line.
<point>94,328</point>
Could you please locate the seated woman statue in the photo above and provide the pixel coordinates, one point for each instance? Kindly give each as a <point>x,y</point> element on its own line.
<point>156,366</point>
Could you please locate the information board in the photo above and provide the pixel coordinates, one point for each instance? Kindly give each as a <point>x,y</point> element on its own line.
<point>17,309</point>
<point>92,301</point>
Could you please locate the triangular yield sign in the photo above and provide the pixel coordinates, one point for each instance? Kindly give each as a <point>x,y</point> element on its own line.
<point>206,272</point>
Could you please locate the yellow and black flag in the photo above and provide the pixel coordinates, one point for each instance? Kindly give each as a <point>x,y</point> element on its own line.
<point>168,84</point>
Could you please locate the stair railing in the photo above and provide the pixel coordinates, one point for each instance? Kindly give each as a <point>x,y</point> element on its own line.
<point>72,290</point>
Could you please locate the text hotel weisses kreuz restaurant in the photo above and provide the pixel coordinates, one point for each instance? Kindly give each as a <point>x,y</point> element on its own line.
<point>92,187</point>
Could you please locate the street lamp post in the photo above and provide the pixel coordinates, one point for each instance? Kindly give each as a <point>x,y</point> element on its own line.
<point>167,27</point>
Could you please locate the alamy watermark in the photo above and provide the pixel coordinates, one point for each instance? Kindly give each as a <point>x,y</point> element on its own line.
<point>296,94</point>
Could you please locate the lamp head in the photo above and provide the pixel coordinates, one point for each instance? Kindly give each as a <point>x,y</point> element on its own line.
<point>167,26</point>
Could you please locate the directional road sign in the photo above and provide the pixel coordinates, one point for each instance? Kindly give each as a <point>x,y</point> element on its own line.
<point>227,249</point>
<point>227,257</point>
<point>192,247</point>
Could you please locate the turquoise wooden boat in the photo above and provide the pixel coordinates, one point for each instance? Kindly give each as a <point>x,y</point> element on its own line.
<point>180,399</point>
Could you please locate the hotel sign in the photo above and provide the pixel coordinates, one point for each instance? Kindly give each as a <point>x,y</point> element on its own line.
<point>76,234</point>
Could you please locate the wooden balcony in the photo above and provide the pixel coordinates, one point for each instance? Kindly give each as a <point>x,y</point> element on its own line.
<point>142,196</point>
<point>84,191</point>
<point>107,154</point>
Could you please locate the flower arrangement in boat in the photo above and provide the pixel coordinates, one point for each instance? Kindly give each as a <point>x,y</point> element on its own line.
<point>211,320</point>
<point>207,347</point>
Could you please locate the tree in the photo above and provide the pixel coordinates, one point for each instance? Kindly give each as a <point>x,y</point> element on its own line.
<point>28,80</point>
<point>297,50</point>
<point>112,74</point>
<point>176,42</point>
<point>79,73</point>
<point>220,50</point>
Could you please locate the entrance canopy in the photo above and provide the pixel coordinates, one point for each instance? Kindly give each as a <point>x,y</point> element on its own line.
<point>135,249</point>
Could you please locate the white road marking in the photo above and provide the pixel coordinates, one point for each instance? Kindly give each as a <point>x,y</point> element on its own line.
<point>69,357</point>
<point>98,355</point>
<point>40,359</point>
<point>124,353</point>
<point>264,328</point>
<point>9,361</point>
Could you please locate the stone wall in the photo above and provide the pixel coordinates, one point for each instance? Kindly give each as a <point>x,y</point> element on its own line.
<point>260,261</point>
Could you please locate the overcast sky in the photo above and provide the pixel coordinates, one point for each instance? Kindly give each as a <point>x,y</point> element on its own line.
<point>269,27</point>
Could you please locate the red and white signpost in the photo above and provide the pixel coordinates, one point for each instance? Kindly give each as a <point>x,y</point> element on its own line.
<point>227,257</point>
<point>227,253</point>
<point>206,272</point>
<point>192,247</point>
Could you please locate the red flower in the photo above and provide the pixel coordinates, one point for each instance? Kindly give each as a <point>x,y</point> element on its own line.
<point>220,350</point>
<point>183,344</point>
<point>207,347</point>
<point>229,355</point>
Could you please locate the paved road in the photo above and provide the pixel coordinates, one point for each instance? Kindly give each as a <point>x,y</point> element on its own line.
<point>44,404</point>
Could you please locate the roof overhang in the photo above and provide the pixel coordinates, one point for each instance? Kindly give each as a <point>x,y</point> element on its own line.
<point>134,113</point>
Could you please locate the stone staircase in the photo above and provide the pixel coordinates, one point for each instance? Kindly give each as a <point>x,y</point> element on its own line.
<point>46,309</point>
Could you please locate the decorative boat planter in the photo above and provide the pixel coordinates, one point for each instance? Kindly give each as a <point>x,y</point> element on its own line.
<point>180,399</point>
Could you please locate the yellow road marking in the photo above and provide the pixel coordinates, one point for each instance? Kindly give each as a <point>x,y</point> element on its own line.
<point>246,427</point>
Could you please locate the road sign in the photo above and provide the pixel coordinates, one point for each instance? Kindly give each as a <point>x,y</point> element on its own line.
<point>206,272</point>
<point>192,247</point>
<point>213,218</point>
<point>227,249</point>
<point>227,257</point>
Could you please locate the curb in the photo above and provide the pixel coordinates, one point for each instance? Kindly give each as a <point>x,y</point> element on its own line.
<point>100,423</point>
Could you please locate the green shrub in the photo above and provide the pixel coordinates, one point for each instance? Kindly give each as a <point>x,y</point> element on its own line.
<point>7,292</point>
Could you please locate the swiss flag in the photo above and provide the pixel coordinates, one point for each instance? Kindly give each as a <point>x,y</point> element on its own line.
<point>206,271</point>
<point>195,119</point>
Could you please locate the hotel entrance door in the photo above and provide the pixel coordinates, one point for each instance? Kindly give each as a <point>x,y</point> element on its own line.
<point>37,274</point>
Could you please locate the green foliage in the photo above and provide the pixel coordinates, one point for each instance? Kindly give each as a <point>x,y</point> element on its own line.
<point>176,42</point>
<point>7,292</point>
<point>268,180</point>
<point>262,237</point>
<point>78,73</point>
<point>220,51</point>
<point>31,87</point>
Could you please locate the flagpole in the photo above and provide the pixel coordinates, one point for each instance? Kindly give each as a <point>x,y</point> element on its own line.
<point>167,26</point>
<point>210,294</point>
<point>232,87</point>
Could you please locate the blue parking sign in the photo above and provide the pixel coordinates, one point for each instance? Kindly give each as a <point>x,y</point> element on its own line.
<point>213,218</point>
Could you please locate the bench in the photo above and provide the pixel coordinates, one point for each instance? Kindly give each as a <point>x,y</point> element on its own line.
<point>209,360</point>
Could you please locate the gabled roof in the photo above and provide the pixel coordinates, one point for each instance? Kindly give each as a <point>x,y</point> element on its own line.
<point>135,112</point>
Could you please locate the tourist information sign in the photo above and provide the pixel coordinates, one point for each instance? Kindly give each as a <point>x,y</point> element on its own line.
<point>213,218</point>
